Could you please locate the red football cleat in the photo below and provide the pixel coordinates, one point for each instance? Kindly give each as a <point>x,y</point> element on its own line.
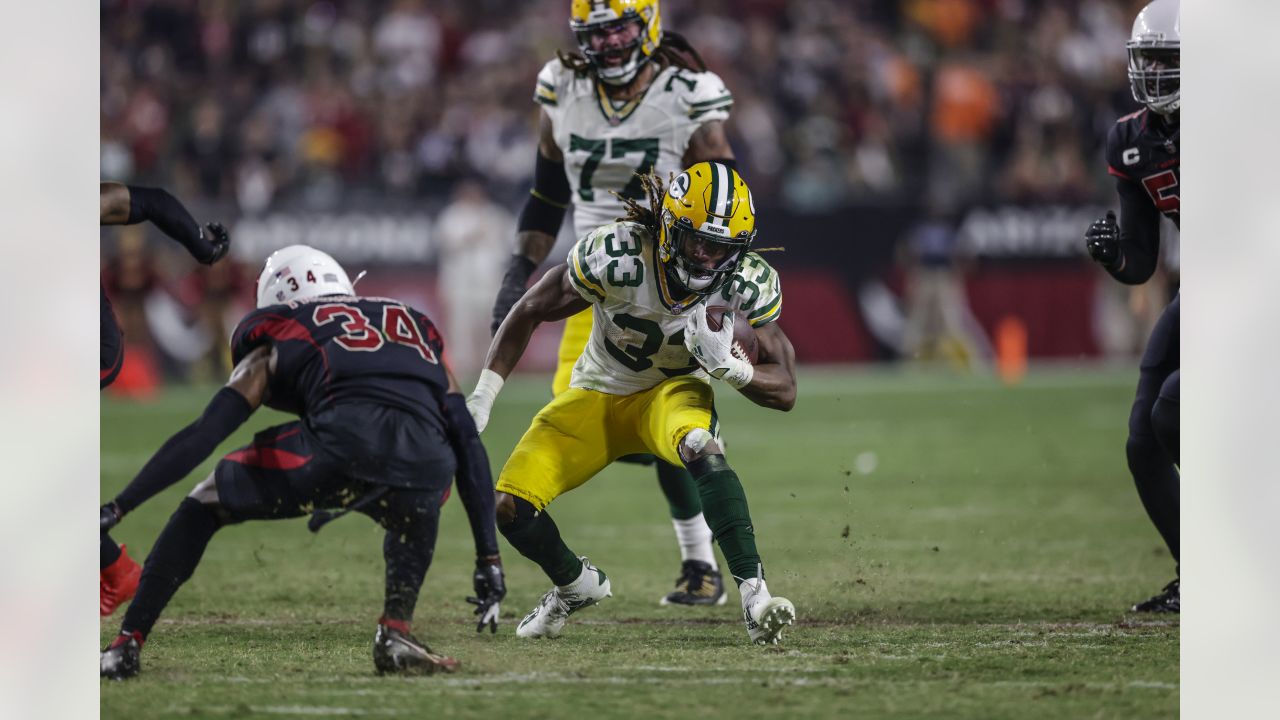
<point>118,583</point>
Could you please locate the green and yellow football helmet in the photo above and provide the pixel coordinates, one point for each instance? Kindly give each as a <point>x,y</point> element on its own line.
<point>616,36</point>
<point>708,224</point>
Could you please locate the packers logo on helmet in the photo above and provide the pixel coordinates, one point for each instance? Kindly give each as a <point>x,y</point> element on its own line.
<point>616,36</point>
<point>708,225</point>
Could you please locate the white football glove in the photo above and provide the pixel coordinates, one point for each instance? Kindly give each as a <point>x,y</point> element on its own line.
<point>713,349</point>
<point>480,402</point>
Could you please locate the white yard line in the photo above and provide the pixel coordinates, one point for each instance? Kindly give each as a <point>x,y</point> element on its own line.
<point>729,676</point>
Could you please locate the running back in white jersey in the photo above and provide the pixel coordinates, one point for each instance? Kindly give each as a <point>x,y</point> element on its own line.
<point>605,146</point>
<point>637,338</point>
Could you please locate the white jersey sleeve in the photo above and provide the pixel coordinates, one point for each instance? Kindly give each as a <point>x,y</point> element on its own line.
<point>703,95</point>
<point>588,261</point>
<point>755,292</point>
<point>550,87</point>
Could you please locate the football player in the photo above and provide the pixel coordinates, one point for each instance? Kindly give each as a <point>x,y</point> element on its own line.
<point>642,384</point>
<point>635,99</point>
<point>127,205</point>
<point>1142,154</point>
<point>382,430</point>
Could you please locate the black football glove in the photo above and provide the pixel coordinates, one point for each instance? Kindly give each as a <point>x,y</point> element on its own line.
<point>513,287</point>
<point>219,238</point>
<point>1102,239</point>
<point>490,586</point>
<point>108,517</point>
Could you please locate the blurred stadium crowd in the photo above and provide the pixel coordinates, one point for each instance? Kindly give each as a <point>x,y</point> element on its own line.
<point>266,102</point>
<point>308,106</point>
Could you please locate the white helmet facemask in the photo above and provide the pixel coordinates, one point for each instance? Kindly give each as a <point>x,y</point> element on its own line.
<point>1154,57</point>
<point>300,272</point>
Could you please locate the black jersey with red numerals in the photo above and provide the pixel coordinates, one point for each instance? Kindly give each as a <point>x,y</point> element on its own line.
<point>1142,148</point>
<point>334,350</point>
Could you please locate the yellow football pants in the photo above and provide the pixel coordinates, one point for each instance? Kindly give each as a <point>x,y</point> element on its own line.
<point>577,332</point>
<point>581,432</point>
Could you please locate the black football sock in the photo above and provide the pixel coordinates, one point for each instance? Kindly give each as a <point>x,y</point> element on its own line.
<point>536,536</point>
<point>172,561</point>
<point>412,521</point>
<point>724,505</point>
<point>680,490</point>
<point>108,552</point>
<point>1158,486</point>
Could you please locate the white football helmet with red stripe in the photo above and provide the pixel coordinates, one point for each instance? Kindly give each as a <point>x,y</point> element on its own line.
<point>299,272</point>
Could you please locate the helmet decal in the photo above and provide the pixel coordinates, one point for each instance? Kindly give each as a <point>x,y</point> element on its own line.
<point>680,186</point>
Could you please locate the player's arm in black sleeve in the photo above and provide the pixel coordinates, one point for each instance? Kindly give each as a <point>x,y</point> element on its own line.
<point>131,204</point>
<point>539,221</point>
<point>475,488</point>
<point>1139,235</point>
<point>474,478</point>
<point>190,446</point>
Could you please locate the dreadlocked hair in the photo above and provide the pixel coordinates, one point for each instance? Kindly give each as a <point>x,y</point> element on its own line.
<point>673,51</point>
<point>650,217</point>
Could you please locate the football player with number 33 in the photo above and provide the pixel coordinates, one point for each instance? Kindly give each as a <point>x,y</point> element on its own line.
<point>635,100</point>
<point>643,382</point>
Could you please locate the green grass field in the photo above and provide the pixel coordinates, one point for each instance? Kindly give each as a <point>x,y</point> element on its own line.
<point>954,548</point>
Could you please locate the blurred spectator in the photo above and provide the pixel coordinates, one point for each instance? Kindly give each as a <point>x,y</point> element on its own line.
<point>129,278</point>
<point>939,324</point>
<point>305,104</point>
<point>218,296</point>
<point>475,236</point>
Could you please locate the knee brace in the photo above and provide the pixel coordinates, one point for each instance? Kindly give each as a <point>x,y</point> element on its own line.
<point>693,443</point>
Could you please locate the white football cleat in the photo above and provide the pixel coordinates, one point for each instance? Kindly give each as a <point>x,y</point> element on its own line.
<point>765,616</point>
<point>548,618</point>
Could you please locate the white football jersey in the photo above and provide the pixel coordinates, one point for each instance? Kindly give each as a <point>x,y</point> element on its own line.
<point>637,337</point>
<point>604,146</point>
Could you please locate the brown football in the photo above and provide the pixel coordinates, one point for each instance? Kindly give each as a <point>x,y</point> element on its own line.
<point>744,336</point>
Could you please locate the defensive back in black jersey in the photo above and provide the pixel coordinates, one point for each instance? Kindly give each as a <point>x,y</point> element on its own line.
<point>336,349</point>
<point>1142,148</point>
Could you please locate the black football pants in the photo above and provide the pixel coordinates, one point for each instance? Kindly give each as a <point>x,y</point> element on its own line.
<point>1152,447</point>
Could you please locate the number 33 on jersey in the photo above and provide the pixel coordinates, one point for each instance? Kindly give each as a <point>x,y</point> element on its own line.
<point>637,338</point>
